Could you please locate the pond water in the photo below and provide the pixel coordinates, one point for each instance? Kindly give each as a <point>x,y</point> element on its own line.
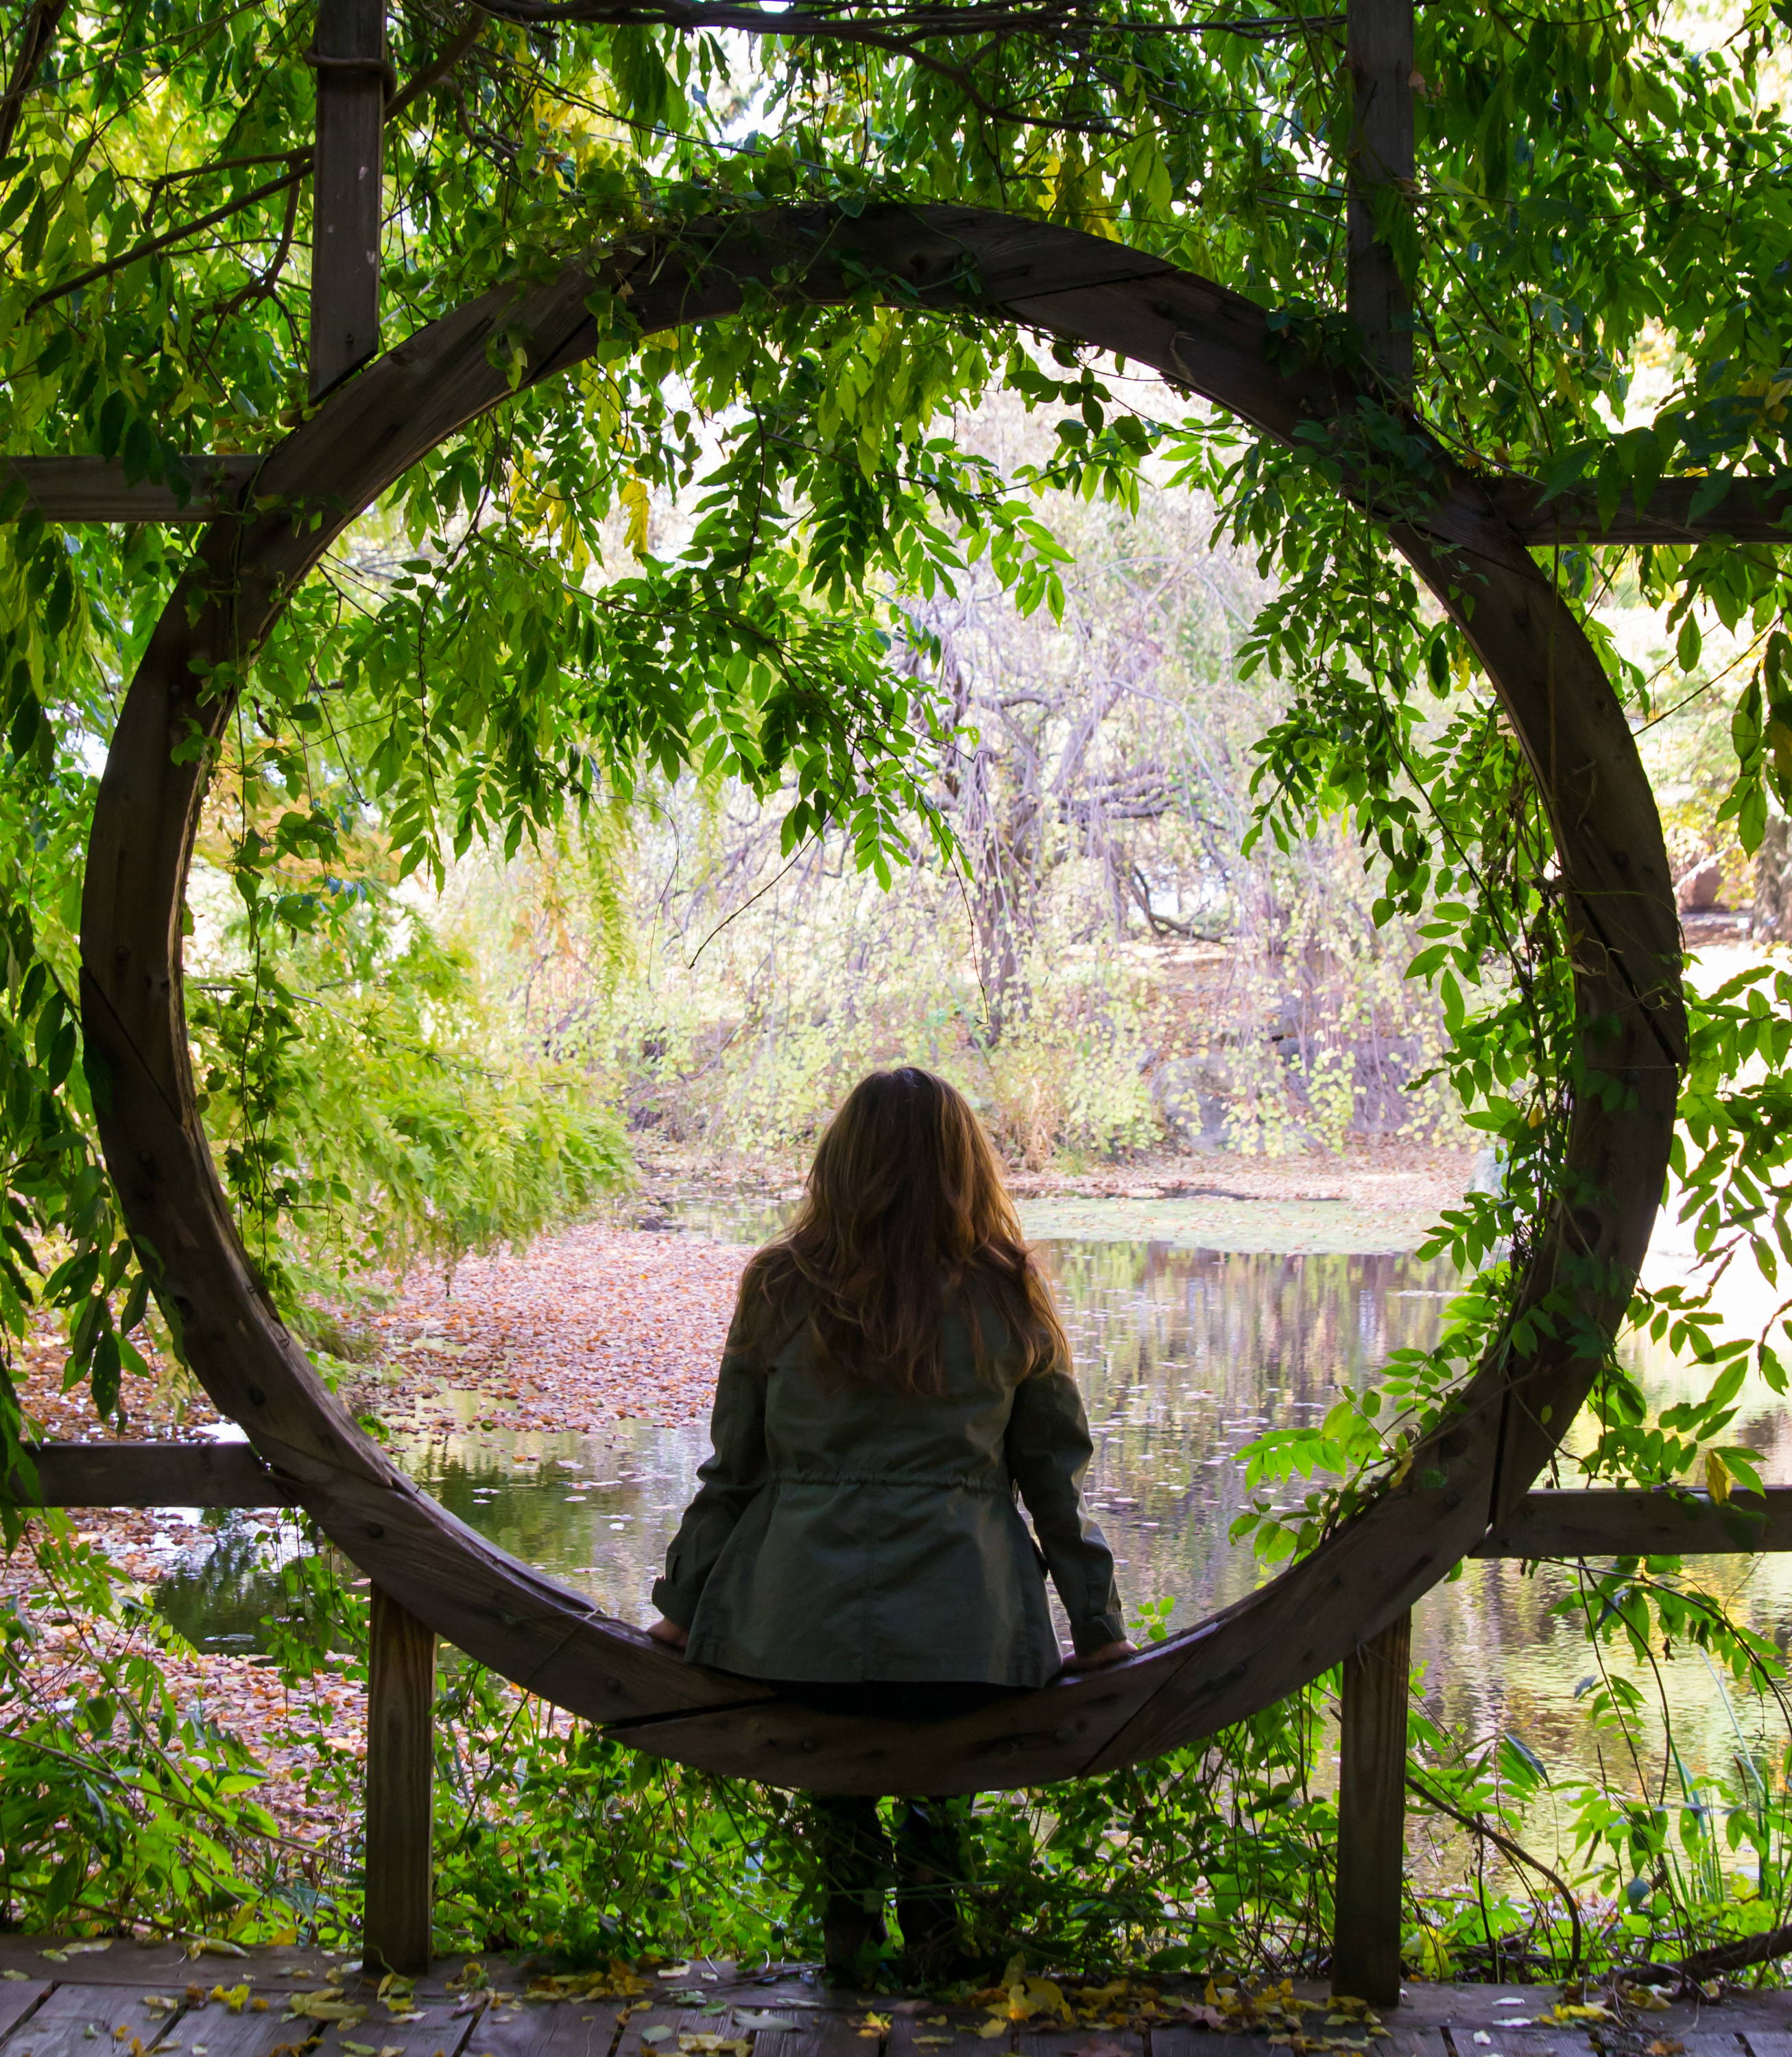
<point>1196,1326</point>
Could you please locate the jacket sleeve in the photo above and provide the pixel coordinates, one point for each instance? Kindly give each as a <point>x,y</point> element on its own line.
<point>728,1479</point>
<point>1049,1449</point>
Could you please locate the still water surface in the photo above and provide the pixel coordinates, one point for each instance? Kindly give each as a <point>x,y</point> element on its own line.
<point>1196,1327</point>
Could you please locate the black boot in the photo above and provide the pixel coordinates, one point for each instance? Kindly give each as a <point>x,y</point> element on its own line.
<point>853,1937</point>
<point>933,1860</point>
<point>852,1859</point>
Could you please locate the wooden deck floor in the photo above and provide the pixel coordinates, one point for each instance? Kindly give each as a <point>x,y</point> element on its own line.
<point>62,1999</point>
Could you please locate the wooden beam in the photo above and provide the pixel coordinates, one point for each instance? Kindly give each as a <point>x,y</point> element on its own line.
<point>1614,1523</point>
<point>1751,511</point>
<point>148,1475</point>
<point>401,1777</point>
<point>1372,1817</point>
<point>352,78</point>
<point>1379,65</point>
<point>95,488</point>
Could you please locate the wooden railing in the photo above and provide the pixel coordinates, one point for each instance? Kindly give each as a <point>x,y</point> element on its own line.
<point>1372,1764</point>
<point>400,1665</point>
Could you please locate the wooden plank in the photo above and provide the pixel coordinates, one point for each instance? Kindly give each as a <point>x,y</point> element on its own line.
<point>443,2029</point>
<point>1175,2039</point>
<point>148,1475</point>
<point>1613,1523</point>
<point>211,2030</point>
<point>1709,2043</point>
<point>1521,2042</point>
<point>717,2020</point>
<point>956,2023</point>
<point>401,1778</point>
<point>96,489</point>
<point>1767,2042</point>
<point>567,2028</point>
<point>1372,1817</point>
<point>73,2020</point>
<point>1378,63</point>
<point>1413,2042</point>
<point>824,2033</point>
<point>1751,511</point>
<point>1065,2042</point>
<point>347,188</point>
<point>159,1967</point>
<point>17,1998</point>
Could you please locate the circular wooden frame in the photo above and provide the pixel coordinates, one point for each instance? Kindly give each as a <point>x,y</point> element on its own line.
<point>543,1635</point>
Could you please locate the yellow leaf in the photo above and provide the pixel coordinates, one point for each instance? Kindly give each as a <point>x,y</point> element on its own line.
<point>1718,1481</point>
<point>634,498</point>
<point>326,2006</point>
<point>992,2029</point>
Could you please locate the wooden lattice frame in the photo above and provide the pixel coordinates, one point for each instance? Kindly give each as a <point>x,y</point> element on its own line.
<point>1469,1474</point>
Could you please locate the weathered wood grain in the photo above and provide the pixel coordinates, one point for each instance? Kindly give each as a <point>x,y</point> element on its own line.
<point>211,2030</point>
<point>441,2029</point>
<point>1378,63</point>
<point>565,2028</point>
<point>150,1967</point>
<point>73,2020</point>
<point>1405,2042</point>
<point>400,1789</point>
<point>1713,2042</point>
<point>1174,2040</point>
<point>1372,1817</point>
<point>1597,1523</point>
<point>19,1998</point>
<point>349,57</point>
<point>146,1475</point>
<point>1520,2042</point>
<point>1748,511</point>
<point>823,2033</point>
<point>960,2026</point>
<point>96,489</point>
<point>544,1634</point>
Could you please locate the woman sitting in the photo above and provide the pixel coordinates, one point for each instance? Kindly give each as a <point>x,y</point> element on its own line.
<point>894,1374</point>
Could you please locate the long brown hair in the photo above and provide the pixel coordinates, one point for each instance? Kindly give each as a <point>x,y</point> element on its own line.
<point>904,1214</point>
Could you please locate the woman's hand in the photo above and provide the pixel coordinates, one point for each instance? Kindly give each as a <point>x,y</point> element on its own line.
<point>669,1633</point>
<point>1092,1660</point>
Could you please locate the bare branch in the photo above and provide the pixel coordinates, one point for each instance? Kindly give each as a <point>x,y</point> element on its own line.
<point>40,28</point>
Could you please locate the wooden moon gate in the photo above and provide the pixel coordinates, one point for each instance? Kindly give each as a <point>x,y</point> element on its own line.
<point>1466,1476</point>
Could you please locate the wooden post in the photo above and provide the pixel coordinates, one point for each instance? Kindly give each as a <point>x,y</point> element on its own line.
<point>401,1765</point>
<point>352,78</point>
<point>1372,1817</point>
<point>1378,63</point>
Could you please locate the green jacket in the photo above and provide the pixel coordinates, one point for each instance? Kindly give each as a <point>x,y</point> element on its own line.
<point>844,1533</point>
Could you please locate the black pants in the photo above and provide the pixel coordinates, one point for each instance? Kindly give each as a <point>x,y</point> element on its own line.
<point>926,1858</point>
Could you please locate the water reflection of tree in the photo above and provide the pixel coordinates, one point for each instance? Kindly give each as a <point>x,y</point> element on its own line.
<point>1187,1355</point>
